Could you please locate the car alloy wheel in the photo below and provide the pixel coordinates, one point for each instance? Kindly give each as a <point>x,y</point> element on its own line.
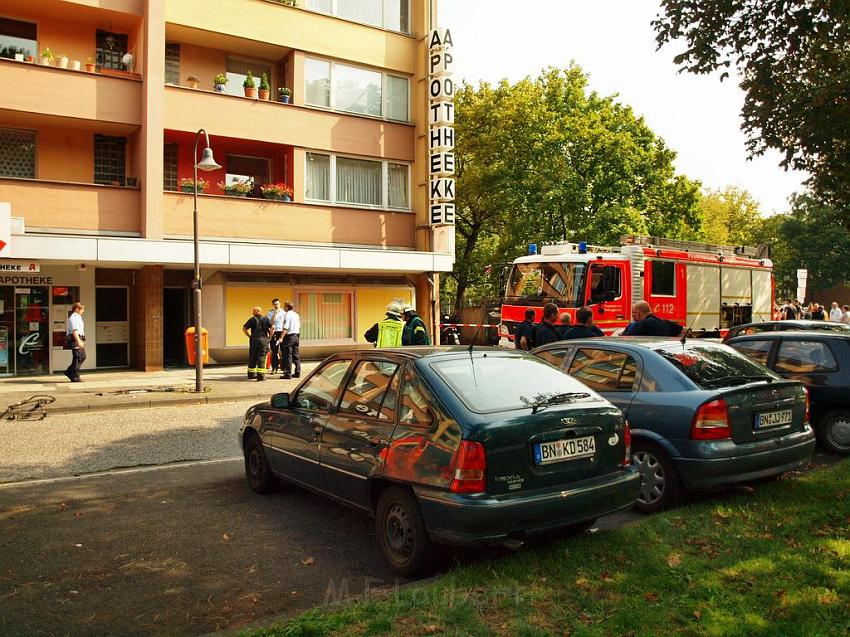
<point>659,486</point>
<point>651,477</point>
<point>835,432</point>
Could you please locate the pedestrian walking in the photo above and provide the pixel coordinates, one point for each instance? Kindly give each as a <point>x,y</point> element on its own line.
<point>291,342</point>
<point>75,338</point>
<point>547,329</point>
<point>389,331</point>
<point>258,329</point>
<point>584,327</point>
<point>414,332</point>
<point>835,313</point>
<point>524,334</point>
<point>276,315</point>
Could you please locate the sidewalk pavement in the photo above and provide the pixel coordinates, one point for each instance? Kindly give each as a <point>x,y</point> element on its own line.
<point>109,390</point>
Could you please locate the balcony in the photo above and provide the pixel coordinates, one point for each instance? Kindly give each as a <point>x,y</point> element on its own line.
<point>273,122</point>
<point>54,92</point>
<point>222,217</point>
<point>73,207</point>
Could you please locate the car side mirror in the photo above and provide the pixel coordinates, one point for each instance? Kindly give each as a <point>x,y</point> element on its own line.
<point>280,401</point>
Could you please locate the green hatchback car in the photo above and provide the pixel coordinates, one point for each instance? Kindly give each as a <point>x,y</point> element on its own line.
<point>445,446</point>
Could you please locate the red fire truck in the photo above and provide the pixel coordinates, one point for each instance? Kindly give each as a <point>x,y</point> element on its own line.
<point>708,288</point>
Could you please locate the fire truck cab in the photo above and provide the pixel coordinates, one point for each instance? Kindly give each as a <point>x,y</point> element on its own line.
<point>708,288</point>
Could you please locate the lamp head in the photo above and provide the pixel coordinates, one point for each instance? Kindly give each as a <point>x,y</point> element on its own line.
<point>207,162</point>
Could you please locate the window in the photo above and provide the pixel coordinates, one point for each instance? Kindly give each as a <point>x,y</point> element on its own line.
<point>561,283</point>
<point>663,278</point>
<point>757,350</point>
<point>416,397</point>
<point>353,89</point>
<point>712,367</point>
<point>326,316</point>
<point>604,371</point>
<point>554,357</point>
<point>110,48</point>
<point>805,357</point>
<point>604,283</point>
<point>387,14</point>
<point>321,391</point>
<point>357,182</point>
<point>237,71</point>
<point>17,153</point>
<point>169,167</point>
<point>242,168</point>
<point>63,298</point>
<point>17,37</point>
<point>367,388</point>
<point>172,63</point>
<point>110,157</point>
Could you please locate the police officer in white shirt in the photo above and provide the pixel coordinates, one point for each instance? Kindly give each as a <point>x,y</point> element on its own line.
<point>75,334</point>
<point>276,315</point>
<point>291,332</point>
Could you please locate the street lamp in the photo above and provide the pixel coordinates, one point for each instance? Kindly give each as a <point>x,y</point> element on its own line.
<point>207,163</point>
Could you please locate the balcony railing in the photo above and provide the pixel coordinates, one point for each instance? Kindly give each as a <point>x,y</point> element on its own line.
<point>223,217</point>
<point>59,205</point>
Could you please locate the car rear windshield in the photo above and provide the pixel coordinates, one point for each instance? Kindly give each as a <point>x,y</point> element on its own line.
<point>489,383</point>
<point>714,366</point>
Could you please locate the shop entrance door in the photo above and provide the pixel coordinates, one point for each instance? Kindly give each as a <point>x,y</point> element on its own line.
<point>7,330</point>
<point>32,330</point>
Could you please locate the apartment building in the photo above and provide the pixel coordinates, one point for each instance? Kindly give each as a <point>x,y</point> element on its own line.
<point>99,115</point>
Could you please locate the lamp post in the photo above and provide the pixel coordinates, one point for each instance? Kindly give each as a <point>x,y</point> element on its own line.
<point>207,163</point>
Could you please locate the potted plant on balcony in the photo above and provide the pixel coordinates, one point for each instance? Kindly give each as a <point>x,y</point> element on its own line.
<point>284,94</point>
<point>192,81</point>
<point>29,58</point>
<point>220,83</point>
<point>276,192</point>
<point>265,89</point>
<point>62,61</point>
<point>46,57</point>
<point>74,65</point>
<point>187,184</point>
<point>91,67</point>
<point>250,86</point>
<point>237,188</point>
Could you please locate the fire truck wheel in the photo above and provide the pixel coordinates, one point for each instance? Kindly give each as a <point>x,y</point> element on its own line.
<point>660,487</point>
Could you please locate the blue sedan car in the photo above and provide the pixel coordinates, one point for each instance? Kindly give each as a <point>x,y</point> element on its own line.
<point>702,415</point>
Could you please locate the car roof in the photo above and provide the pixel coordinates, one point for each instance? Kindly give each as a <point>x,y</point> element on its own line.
<point>795,322</point>
<point>430,351</point>
<point>793,334</point>
<point>643,342</point>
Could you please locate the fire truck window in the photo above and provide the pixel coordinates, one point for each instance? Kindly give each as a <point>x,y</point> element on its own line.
<point>604,283</point>
<point>541,282</point>
<point>663,278</point>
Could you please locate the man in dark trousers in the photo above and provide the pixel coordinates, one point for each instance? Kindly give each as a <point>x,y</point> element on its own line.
<point>647,324</point>
<point>75,334</point>
<point>259,329</point>
<point>291,342</point>
<point>415,332</point>
<point>524,335</point>
<point>547,330</point>
<point>584,327</point>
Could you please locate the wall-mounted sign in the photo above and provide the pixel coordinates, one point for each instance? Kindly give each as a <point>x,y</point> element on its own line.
<point>18,279</point>
<point>441,136</point>
<point>20,266</point>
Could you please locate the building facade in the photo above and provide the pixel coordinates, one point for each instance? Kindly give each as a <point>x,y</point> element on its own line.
<point>101,104</point>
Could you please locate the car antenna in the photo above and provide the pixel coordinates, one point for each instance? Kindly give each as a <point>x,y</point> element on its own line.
<point>687,329</point>
<point>471,357</point>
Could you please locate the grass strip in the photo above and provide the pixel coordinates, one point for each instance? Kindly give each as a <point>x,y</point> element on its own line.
<point>775,563</point>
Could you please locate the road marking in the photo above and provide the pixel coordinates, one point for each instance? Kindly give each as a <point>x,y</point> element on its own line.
<point>111,472</point>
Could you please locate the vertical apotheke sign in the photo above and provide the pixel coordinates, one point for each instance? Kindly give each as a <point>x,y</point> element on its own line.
<point>441,133</point>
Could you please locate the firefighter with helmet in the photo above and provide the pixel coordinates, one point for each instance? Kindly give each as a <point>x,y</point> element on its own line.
<point>415,332</point>
<point>387,333</point>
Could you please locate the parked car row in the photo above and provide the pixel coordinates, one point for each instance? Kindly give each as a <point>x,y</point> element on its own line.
<point>468,446</point>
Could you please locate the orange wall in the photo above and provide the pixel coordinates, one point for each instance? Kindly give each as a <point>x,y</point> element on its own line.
<point>65,155</point>
<point>76,39</point>
<point>201,62</point>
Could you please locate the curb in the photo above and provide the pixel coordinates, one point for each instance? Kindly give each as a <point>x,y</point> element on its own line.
<point>152,404</point>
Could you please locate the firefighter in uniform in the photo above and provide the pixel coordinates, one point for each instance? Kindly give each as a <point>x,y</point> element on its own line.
<point>387,333</point>
<point>415,332</point>
<point>258,328</point>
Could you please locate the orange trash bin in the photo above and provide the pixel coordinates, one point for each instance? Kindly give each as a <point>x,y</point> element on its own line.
<point>190,345</point>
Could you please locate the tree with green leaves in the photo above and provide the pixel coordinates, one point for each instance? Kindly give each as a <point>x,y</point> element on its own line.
<point>793,59</point>
<point>729,217</point>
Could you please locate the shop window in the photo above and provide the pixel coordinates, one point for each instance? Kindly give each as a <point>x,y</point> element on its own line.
<point>169,167</point>
<point>110,48</point>
<point>17,36</point>
<point>110,159</point>
<point>242,168</point>
<point>64,298</point>
<point>17,153</point>
<point>237,71</point>
<point>663,278</point>
<point>172,63</point>
<point>325,316</point>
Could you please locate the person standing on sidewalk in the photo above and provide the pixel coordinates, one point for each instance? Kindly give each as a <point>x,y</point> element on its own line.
<point>291,334</point>
<point>258,328</point>
<point>75,334</point>
<point>415,332</point>
<point>276,315</point>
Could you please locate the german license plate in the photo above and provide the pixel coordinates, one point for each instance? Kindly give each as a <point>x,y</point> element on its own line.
<point>561,450</point>
<point>773,419</point>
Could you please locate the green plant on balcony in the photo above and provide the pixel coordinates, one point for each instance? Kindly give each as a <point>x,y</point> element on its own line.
<point>264,87</point>
<point>237,188</point>
<point>276,192</point>
<point>250,86</point>
<point>220,82</point>
<point>46,57</point>
<point>187,184</point>
<point>284,94</point>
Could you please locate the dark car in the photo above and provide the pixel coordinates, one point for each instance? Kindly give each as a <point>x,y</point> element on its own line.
<point>784,326</point>
<point>702,416</point>
<point>445,446</point>
<point>819,359</point>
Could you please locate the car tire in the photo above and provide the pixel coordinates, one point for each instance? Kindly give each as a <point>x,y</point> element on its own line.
<point>401,532</point>
<point>258,471</point>
<point>660,486</point>
<point>834,432</point>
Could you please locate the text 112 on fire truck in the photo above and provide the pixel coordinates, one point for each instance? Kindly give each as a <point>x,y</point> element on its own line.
<point>708,288</point>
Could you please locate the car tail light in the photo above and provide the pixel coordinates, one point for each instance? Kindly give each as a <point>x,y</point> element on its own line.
<point>470,468</point>
<point>808,416</point>
<point>627,438</point>
<point>711,422</point>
